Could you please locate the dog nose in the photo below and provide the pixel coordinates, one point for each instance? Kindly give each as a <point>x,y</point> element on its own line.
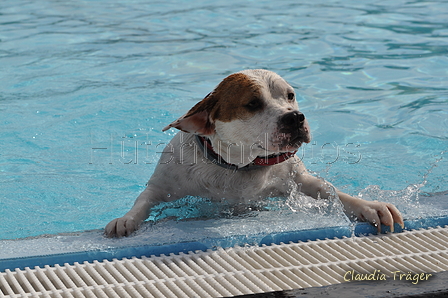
<point>293,118</point>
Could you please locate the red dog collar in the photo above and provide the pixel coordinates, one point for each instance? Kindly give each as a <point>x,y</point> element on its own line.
<point>206,147</point>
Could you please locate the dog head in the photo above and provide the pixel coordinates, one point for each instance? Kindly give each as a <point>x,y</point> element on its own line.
<point>256,109</point>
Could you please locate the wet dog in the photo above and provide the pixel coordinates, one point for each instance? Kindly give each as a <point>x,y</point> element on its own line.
<point>239,143</point>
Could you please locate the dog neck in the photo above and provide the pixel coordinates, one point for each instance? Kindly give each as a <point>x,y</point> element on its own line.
<point>237,162</point>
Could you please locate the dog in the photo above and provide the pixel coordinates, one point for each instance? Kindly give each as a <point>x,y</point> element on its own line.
<point>239,143</point>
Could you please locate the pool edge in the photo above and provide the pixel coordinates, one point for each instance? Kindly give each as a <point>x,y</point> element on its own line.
<point>358,229</point>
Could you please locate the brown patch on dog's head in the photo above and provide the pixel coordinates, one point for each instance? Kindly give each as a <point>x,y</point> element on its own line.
<point>236,97</point>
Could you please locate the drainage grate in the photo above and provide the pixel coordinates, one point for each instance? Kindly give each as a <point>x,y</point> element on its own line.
<point>236,271</point>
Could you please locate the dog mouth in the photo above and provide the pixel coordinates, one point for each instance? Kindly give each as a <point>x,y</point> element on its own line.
<point>291,141</point>
<point>295,142</point>
<point>287,141</point>
<point>293,131</point>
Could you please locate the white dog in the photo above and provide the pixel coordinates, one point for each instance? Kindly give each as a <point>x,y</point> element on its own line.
<point>238,143</point>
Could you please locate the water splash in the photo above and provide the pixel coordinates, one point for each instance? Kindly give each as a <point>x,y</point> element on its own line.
<point>411,201</point>
<point>186,208</point>
<point>299,202</point>
<point>305,211</point>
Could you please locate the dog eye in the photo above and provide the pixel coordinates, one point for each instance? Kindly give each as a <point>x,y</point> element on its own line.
<point>254,104</point>
<point>290,96</point>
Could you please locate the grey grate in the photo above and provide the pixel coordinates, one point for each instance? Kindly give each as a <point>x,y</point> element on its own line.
<point>236,271</point>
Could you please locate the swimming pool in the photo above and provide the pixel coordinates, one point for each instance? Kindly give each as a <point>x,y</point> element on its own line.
<point>86,88</point>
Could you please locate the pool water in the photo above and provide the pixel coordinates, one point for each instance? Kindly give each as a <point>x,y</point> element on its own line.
<point>87,86</point>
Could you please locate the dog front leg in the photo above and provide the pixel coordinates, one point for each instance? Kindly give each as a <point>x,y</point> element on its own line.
<point>376,213</point>
<point>131,221</point>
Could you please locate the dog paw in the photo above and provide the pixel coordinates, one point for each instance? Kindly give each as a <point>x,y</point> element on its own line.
<point>120,227</point>
<point>378,213</point>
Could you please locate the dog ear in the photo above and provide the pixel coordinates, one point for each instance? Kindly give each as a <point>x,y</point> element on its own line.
<point>198,119</point>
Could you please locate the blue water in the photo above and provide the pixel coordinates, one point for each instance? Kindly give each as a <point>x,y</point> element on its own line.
<point>86,86</point>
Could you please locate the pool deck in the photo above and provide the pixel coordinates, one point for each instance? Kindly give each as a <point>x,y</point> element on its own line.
<point>437,287</point>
